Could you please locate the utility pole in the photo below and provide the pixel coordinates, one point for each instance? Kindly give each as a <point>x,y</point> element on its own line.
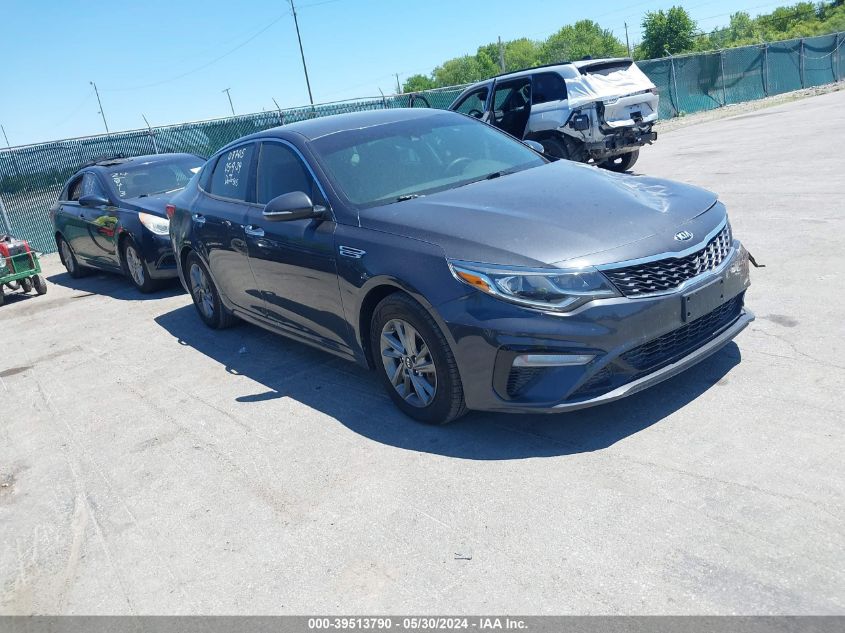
<point>100,103</point>
<point>301,52</point>
<point>6,137</point>
<point>501,55</point>
<point>627,41</point>
<point>398,85</point>
<point>226,90</point>
<point>281,116</point>
<point>152,135</point>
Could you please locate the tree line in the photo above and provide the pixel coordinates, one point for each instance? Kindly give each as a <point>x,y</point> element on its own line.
<point>669,32</point>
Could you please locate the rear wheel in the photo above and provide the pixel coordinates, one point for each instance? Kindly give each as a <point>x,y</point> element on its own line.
<point>40,284</point>
<point>205,295</point>
<point>414,361</point>
<point>136,268</point>
<point>26,285</point>
<point>621,163</point>
<point>69,259</point>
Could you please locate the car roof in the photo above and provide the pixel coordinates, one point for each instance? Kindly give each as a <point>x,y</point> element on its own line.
<point>581,63</point>
<point>111,163</point>
<point>313,129</point>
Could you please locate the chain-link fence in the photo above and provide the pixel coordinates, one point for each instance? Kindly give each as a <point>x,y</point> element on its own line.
<point>31,177</point>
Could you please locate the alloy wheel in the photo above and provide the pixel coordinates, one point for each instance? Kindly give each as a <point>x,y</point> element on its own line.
<point>67,256</point>
<point>408,363</point>
<point>135,265</point>
<point>201,291</point>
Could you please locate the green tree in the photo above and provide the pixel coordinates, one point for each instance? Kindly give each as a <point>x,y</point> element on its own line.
<point>416,83</point>
<point>464,70</point>
<point>576,41</point>
<point>671,31</point>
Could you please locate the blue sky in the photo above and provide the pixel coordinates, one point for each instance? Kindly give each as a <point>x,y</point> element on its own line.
<point>170,60</point>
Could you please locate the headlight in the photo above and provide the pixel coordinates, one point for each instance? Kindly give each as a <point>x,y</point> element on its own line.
<point>560,290</point>
<point>156,224</point>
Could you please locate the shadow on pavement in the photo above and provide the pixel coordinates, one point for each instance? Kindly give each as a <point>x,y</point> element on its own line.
<point>115,285</point>
<point>354,397</point>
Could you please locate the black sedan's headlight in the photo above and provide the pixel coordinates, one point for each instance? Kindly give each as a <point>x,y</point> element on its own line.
<point>554,289</point>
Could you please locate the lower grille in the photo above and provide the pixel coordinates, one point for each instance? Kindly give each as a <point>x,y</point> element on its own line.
<point>666,348</point>
<point>521,377</point>
<point>667,274</point>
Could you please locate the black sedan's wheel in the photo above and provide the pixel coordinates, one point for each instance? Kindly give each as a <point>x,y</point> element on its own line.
<point>415,362</point>
<point>206,298</point>
<point>136,268</point>
<point>69,259</point>
<point>621,163</point>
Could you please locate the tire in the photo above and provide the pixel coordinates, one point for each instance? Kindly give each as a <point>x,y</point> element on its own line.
<point>136,267</point>
<point>2,295</point>
<point>69,259</point>
<point>26,285</point>
<point>621,163</point>
<point>205,295</point>
<point>555,147</point>
<point>40,284</point>
<point>434,393</point>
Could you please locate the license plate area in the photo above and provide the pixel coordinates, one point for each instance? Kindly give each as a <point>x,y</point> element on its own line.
<point>707,298</point>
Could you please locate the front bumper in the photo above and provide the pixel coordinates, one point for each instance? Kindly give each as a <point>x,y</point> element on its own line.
<point>158,253</point>
<point>635,343</point>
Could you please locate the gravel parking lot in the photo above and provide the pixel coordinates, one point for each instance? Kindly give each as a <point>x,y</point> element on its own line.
<point>149,465</point>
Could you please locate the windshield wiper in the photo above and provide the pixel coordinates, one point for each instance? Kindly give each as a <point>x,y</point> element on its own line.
<point>408,196</point>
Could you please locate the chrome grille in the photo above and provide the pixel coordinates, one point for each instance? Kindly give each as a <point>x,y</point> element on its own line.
<point>667,274</point>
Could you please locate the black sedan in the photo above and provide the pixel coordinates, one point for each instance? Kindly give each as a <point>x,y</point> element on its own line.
<point>111,216</point>
<point>460,264</point>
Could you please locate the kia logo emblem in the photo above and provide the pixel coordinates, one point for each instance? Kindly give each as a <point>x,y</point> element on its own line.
<point>683,236</point>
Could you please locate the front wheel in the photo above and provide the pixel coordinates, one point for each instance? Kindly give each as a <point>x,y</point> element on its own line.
<point>621,163</point>
<point>205,295</point>
<point>69,259</point>
<point>136,267</point>
<point>414,361</point>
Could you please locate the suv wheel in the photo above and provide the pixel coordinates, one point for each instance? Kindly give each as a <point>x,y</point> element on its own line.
<point>414,361</point>
<point>621,163</point>
<point>205,295</point>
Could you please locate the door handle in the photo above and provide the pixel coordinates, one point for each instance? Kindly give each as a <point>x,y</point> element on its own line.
<point>199,218</point>
<point>254,231</point>
<point>226,223</point>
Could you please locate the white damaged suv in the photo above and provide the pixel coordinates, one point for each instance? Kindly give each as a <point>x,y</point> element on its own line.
<point>599,110</point>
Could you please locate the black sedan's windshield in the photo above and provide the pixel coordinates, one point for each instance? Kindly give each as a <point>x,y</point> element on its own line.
<point>405,159</point>
<point>136,180</point>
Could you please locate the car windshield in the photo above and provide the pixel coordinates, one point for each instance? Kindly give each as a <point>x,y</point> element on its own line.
<point>396,161</point>
<point>140,179</point>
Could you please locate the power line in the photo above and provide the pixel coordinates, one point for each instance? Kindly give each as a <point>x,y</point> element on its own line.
<point>264,29</point>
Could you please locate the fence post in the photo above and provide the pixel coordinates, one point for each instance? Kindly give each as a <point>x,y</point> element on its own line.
<point>836,56</point>
<point>801,61</point>
<point>5,216</point>
<point>766,69</point>
<point>722,72</point>
<point>674,83</point>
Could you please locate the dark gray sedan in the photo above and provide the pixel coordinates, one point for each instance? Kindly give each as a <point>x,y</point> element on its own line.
<point>465,268</point>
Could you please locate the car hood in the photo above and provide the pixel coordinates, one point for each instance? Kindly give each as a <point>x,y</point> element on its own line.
<point>548,215</point>
<point>154,204</point>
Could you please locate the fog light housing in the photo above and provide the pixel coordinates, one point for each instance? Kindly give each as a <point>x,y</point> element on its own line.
<point>552,360</point>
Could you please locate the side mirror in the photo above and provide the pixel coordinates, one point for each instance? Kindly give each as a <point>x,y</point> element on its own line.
<point>295,205</point>
<point>537,147</point>
<point>93,200</point>
<point>580,122</point>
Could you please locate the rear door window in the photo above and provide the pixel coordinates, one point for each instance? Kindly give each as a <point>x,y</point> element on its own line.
<point>231,178</point>
<point>548,87</point>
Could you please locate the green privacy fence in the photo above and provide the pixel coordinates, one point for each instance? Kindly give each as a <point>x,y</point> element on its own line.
<point>31,177</point>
